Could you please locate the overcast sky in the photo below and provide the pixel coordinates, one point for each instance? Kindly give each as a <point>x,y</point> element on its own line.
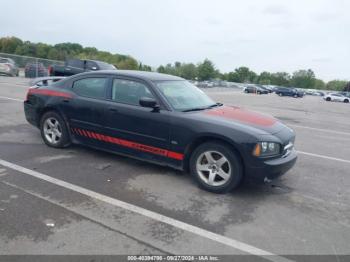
<point>272,35</point>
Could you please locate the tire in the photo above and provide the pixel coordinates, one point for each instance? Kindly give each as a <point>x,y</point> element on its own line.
<point>59,136</point>
<point>280,94</point>
<point>346,100</point>
<point>328,99</point>
<point>295,96</point>
<point>222,160</point>
<point>259,93</point>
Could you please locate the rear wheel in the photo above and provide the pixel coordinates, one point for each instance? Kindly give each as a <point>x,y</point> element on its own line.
<point>216,167</point>
<point>346,100</point>
<point>328,99</point>
<point>54,130</point>
<point>280,94</point>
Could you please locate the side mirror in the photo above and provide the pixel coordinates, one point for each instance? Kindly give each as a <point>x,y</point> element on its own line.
<point>149,102</point>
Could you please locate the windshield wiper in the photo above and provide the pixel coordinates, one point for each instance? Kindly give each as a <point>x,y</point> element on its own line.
<point>202,108</point>
<point>215,105</point>
<point>194,109</point>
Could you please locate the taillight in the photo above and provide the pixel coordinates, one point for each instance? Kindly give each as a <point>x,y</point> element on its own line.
<point>30,92</point>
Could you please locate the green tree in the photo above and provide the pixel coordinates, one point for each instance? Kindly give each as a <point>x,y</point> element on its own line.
<point>143,67</point>
<point>264,78</point>
<point>244,75</point>
<point>10,44</point>
<point>206,70</point>
<point>347,87</point>
<point>188,71</point>
<point>27,49</point>
<point>303,79</point>
<point>336,85</point>
<point>280,79</point>
<point>129,63</point>
<point>161,69</point>
<point>319,84</point>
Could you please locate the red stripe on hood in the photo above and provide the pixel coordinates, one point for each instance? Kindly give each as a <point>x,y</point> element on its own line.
<point>241,115</point>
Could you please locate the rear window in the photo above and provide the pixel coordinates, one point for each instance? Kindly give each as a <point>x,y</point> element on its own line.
<point>3,60</point>
<point>91,87</point>
<point>76,63</point>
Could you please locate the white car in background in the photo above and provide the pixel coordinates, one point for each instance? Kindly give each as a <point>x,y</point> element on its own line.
<point>336,98</point>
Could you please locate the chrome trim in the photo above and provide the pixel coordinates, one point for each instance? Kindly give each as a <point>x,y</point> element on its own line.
<point>287,149</point>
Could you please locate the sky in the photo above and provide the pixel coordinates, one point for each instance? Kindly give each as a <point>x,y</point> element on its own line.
<point>265,35</point>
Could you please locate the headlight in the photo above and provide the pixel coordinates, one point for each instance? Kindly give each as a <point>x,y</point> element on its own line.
<point>263,149</point>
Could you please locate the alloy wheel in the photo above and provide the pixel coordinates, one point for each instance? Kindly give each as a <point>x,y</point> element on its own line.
<point>52,130</point>
<point>213,168</point>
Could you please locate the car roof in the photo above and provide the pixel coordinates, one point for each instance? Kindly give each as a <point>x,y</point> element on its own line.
<point>153,76</point>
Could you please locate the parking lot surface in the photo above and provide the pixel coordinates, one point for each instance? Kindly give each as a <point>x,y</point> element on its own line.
<point>82,201</point>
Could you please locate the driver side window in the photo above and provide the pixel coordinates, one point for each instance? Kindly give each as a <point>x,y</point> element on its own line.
<point>129,92</point>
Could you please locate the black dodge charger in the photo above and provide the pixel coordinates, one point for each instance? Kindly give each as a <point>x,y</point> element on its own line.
<point>165,120</point>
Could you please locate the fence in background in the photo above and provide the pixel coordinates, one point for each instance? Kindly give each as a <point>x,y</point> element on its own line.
<point>30,67</point>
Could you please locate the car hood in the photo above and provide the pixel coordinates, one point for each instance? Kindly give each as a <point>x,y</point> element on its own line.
<point>236,116</point>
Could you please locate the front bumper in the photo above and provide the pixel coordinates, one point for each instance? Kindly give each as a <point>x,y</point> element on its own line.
<point>271,169</point>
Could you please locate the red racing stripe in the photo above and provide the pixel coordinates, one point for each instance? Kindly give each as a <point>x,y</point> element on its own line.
<point>130,144</point>
<point>47,92</point>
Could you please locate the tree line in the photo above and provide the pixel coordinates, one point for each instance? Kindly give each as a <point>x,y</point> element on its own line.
<point>206,71</point>
<point>62,51</point>
<point>202,71</point>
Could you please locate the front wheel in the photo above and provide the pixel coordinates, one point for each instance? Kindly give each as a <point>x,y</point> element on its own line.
<point>328,99</point>
<point>346,101</point>
<point>54,130</point>
<point>216,167</point>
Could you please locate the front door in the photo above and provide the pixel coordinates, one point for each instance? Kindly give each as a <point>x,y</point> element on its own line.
<point>138,131</point>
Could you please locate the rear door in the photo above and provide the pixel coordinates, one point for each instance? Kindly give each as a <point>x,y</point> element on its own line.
<point>140,131</point>
<point>86,112</point>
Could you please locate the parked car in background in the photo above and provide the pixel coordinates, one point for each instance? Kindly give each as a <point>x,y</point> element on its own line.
<point>76,66</point>
<point>347,94</point>
<point>33,70</point>
<point>286,91</point>
<point>268,89</point>
<point>255,89</point>
<point>8,67</point>
<point>313,92</point>
<point>45,81</point>
<point>336,97</point>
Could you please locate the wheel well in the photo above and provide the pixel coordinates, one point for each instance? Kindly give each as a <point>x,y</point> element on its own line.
<point>43,111</point>
<point>190,149</point>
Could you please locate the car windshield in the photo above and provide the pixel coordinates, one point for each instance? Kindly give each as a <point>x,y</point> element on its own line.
<point>183,96</point>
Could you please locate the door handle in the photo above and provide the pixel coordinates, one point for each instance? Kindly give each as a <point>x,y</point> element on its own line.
<point>65,100</point>
<point>113,110</point>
